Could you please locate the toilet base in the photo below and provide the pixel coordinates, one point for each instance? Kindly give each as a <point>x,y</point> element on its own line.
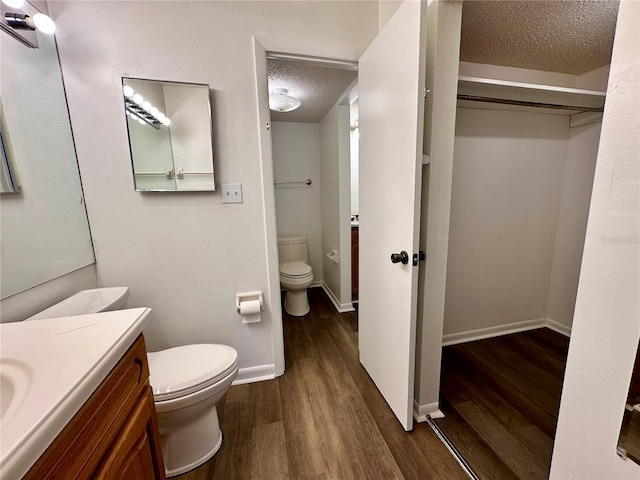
<point>191,444</point>
<point>296,302</point>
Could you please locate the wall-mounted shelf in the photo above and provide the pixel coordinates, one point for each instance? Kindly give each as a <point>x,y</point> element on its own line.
<point>475,92</point>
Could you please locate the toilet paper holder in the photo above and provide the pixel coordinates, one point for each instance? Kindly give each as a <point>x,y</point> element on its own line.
<point>247,297</point>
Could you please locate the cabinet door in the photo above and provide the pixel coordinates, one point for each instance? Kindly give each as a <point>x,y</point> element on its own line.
<point>135,454</point>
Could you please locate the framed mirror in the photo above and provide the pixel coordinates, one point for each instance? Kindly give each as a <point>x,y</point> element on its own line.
<point>170,135</point>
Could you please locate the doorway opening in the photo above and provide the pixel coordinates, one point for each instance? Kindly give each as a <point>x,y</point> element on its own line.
<point>312,164</point>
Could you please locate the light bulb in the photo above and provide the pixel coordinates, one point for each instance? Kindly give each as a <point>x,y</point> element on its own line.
<point>161,116</point>
<point>138,98</point>
<point>166,121</point>
<point>146,105</point>
<point>154,111</point>
<point>128,91</point>
<point>44,23</point>
<point>14,3</point>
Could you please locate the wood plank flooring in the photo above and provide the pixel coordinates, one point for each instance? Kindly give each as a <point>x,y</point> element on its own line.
<point>323,419</point>
<point>501,398</point>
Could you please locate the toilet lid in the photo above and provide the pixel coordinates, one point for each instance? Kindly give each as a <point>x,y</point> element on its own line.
<point>183,370</point>
<point>295,269</point>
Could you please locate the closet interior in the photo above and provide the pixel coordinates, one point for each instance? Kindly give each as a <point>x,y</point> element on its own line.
<point>526,142</point>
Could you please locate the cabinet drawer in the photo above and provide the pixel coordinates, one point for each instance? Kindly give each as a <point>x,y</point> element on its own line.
<point>77,451</point>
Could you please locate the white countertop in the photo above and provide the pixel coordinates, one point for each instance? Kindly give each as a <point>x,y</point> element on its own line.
<point>63,361</point>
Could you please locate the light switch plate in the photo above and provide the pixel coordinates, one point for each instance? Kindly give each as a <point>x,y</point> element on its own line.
<point>231,192</point>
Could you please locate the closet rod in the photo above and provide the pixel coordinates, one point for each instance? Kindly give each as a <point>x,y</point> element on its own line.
<point>306,182</point>
<point>522,103</point>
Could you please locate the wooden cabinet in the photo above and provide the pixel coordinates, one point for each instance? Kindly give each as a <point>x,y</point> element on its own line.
<point>115,433</point>
<point>354,263</point>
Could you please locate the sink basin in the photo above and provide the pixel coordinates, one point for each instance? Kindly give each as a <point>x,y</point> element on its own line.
<point>15,379</point>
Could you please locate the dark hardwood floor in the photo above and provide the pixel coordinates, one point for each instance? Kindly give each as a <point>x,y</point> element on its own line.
<point>323,419</point>
<point>501,398</point>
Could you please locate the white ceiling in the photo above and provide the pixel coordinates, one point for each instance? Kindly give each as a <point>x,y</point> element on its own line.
<point>318,87</point>
<point>567,36</point>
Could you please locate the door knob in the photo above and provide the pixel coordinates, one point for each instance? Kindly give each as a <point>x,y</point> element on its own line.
<point>402,257</point>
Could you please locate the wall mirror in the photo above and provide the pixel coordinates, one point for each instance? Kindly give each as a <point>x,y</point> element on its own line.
<point>629,441</point>
<point>170,135</point>
<point>45,232</point>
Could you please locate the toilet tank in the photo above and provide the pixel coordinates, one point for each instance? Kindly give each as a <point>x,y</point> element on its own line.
<point>292,249</point>
<point>87,301</point>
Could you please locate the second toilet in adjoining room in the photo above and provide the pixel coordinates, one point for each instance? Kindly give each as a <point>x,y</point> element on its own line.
<point>295,274</point>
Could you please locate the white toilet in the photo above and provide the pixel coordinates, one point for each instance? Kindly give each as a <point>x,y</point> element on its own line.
<point>295,274</point>
<point>187,383</point>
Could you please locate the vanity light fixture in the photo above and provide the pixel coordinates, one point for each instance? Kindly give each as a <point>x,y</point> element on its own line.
<point>20,20</point>
<point>281,101</point>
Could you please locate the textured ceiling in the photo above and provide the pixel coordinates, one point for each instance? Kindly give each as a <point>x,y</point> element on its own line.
<point>317,87</point>
<point>566,36</point>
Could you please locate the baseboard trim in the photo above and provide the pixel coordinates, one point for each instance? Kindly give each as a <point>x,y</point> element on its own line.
<point>558,327</point>
<point>506,329</point>
<point>316,284</point>
<point>421,412</point>
<point>255,374</point>
<point>340,307</point>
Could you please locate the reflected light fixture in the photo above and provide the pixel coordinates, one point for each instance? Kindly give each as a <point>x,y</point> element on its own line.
<point>39,21</point>
<point>281,101</point>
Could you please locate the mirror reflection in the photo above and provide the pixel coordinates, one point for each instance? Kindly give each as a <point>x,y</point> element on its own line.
<point>629,441</point>
<point>45,233</point>
<point>170,135</point>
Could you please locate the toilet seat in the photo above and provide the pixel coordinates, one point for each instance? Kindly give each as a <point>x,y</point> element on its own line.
<point>180,371</point>
<point>295,270</point>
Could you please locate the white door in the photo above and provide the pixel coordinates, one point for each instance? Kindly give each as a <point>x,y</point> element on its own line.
<point>391,81</point>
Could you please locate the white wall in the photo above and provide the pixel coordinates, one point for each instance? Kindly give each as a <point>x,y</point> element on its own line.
<point>296,156</point>
<point>336,203</point>
<point>354,157</point>
<point>606,329</point>
<point>507,185</point>
<point>45,233</point>
<point>580,164</point>
<point>186,255</point>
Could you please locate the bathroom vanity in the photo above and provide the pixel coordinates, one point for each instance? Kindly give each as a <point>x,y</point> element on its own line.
<point>79,402</point>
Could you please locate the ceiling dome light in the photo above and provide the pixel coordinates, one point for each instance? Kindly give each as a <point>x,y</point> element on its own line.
<point>280,101</point>
<point>14,3</point>
<point>44,23</point>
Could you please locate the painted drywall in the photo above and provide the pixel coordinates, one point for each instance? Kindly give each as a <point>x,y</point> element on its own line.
<point>443,49</point>
<point>296,156</point>
<point>336,203</point>
<point>507,185</point>
<point>25,304</point>
<point>606,329</point>
<point>186,255</point>
<point>354,159</point>
<point>386,9</point>
<point>45,233</point>
<point>580,164</point>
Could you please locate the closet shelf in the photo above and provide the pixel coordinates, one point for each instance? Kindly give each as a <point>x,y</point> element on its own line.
<point>475,92</point>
